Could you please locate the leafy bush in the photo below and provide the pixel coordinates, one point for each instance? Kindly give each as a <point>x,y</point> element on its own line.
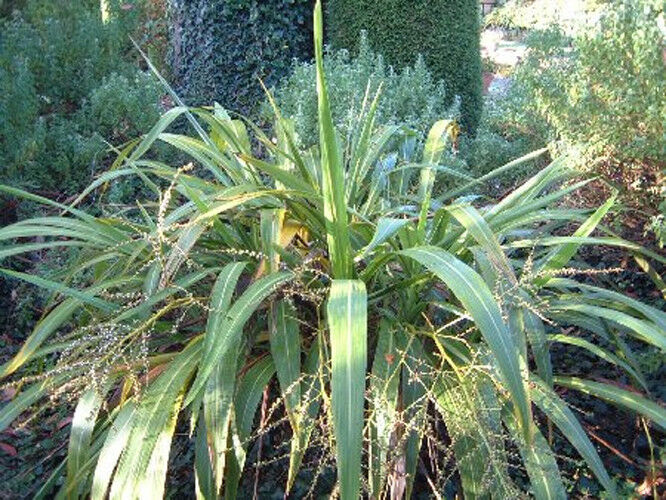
<point>509,129</point>
<point>220,49</point>
<point>445,32</point>
<point>59,41</point>
<point>577,90</point>
<point>340,277</point>
<point>55,57</point>
<point>122,108</point>
<point>410,97</point>
<point>602,91</point>
<point>586,89</point>
<point>541,14</point>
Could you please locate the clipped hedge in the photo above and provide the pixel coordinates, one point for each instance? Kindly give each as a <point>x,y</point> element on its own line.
<point>220,48</point>
<point>445,32</point>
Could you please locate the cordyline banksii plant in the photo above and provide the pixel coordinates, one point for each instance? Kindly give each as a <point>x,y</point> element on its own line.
<point>336,286</point>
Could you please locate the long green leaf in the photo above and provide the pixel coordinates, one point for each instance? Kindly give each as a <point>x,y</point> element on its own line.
<point>220,300</point>
<point>498,171</point>
<point>386,228</point>
<point>559,257</point>
<point>162,124</point>
<point>179,253</point>
<point>617,396</point>
<point>115,442</point>
<point>473,426</point>
<point>204,482</point>
<point>539,460</point>
<point>286,347</point>
<point>218,393</point>
<point>347,322</point>
<point>434,148</point>
<point>477,299</point>
<point>13,191</point>
<point>589,240</point>
<point>314,380</point>
<point>655,315</point>
<point>474,222</point>
<point>332,168</point>
<point>217,408</point>
<point>152,426</point>
<point>602,353</point>
<point>384,385</point>
<point>32,247</point>
<point>49,324</point>
<point>471,409</point>
<point>83,423</point>
<point>230,329</point>
<point>153,482</point>
<point>25,399</point>
<point>642,329</point>
<point>248,396</point>
<point>83,296</point>
<point>562,416</point>
<point>416,384</point>
<point>536,336</point>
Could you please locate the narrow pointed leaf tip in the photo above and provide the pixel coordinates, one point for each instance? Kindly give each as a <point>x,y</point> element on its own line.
<point>332,169</point>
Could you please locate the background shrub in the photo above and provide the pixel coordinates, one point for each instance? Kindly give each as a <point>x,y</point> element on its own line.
<point>122,107</point>
<point>509,128</point>
<point>445,32</point>
<point>540,14</point>
<point>602,93</point>
<point>67,82</point>
<point>604,89</point>
<point>410,97</point>
<point>221,48</point>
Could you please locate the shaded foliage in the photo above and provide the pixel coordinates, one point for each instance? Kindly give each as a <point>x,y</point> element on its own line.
<point>58,62</point>
<point>220,49</point>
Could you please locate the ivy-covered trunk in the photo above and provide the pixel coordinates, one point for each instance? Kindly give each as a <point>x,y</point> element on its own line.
<point>220,48</point>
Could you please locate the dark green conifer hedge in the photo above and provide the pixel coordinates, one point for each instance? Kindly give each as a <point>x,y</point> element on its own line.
<point>446,32</point>
<point>221,47</point>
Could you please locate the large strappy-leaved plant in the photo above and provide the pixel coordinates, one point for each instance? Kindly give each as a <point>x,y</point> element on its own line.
<point>384,313</point>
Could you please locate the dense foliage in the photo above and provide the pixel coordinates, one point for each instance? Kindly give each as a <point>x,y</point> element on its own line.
<point>444,32</point>
<point>410,97</point>
<point>540,14</point>
<point>503,137</point>
<point>387,316</point>
<point>602,92</point>
<point>221,49</point>
<point>67,83</point>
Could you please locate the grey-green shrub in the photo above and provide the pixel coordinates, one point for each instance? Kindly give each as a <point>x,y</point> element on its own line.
<point>122,107</point>
<point>604,90</point>
<point>412,96</point>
